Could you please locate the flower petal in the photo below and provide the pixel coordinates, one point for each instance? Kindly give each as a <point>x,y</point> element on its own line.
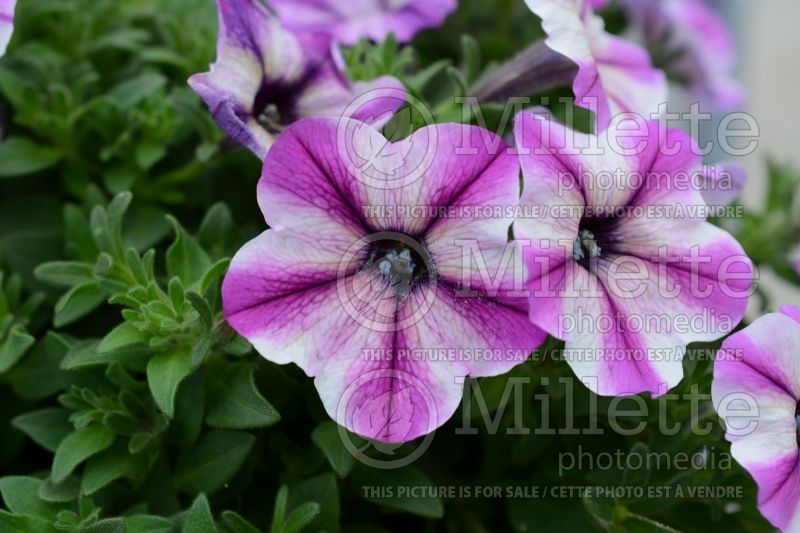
<point>614,75</point>
<point>350,21</point>
<point>253,51</point>
<point>758,368</point>
<point>6,23</point>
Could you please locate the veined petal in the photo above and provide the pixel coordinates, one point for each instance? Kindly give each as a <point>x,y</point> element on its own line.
<point>553,165</point>
<point>758,371</point>
<point>329,94</point>
<point>255,56</point>
<point>6,23</point>
<point>350,21</point>
<point>614,75</point>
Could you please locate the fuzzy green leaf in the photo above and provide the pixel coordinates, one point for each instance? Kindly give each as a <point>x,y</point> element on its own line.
<point>198,518</point>
<point>165,372</point>
<point>327,438</point>
<point>213,461</point>
<point>20,156</point>
<point>46,427</point>
<point>79,446</point>
<point>236,403</point>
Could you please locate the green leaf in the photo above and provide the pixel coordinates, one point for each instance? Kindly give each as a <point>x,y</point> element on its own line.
<point>46,427</point>
<point>66,491</point>
<point>236,523</point>
<point>77,303</point>
<point>14,347</point>
<point>185,258</point>
<point>132,91</point>
<point>123,335</point>
<point>300,517</point>
<point>189,411</point>
<point>107,525</point>
<point>428,507</point>
<point>213,461</point>
<point>165,372</point>
<point>38,376</point>
<point>218,232</point>
<point>110,465</point>
<point>323,491</point>
<point>64,273</point>
<point>198,518</point>
<point>21,495</point>
<point>236,403</point>
<point>327,438</point>
<point>12,523</point>
<point>20,156</point>
<point>148,524</point>
<point>79,446</point>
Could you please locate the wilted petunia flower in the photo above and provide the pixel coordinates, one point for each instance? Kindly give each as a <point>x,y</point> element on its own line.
<point>614,75</point>
<point>756,391</point>
<point>387,272</point>
<point>693,45</point>
<point>266,77</point>
<point>6,23</point>
<point>622,263</point>
<point>347,21</point>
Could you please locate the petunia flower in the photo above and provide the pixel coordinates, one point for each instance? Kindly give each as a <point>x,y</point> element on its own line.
<point>266,77</point>
<point>386,274</point>
<point>622,263</point>
<point>614,75</point>
<point>693,45</point>
<point>350,20</point>
<point>6,23</point>
<point>756,391</point>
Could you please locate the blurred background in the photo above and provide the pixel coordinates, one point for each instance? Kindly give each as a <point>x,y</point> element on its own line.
<point>770,69</point>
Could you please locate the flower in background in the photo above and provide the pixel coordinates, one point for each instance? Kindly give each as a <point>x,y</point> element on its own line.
<point>614,75</point>
<point>693,45</point>
<point>6,23</point>
<point>723,183</point>
<point>756,390</point>
<point>266,77</point>
<point>622,263</point>
<point>350,20</point>
<point>361,279</point>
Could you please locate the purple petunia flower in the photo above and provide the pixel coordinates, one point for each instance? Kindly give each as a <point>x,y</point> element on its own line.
<point>350,20</point>
<point>756,390</point>
<point>6,23</point>
<point>614,75</point>
<point>622,263</point>
<point>266,77</point>
<point>381,276</point>
<point>691,42</point>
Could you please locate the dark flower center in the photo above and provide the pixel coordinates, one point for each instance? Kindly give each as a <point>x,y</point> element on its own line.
<point>595,237</point>
<point>797,421</point>
<point>274,106</point>
<point>402,263</point>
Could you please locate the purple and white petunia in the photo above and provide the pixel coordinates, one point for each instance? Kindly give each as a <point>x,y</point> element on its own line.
<point>6,23</point>
<point>614,75</point>
<point>380,276</point>
<point>756,391</point>
<point>350,20</point>
<point>267,76</point>
<point>622,263</point>
<point>693,45</point>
